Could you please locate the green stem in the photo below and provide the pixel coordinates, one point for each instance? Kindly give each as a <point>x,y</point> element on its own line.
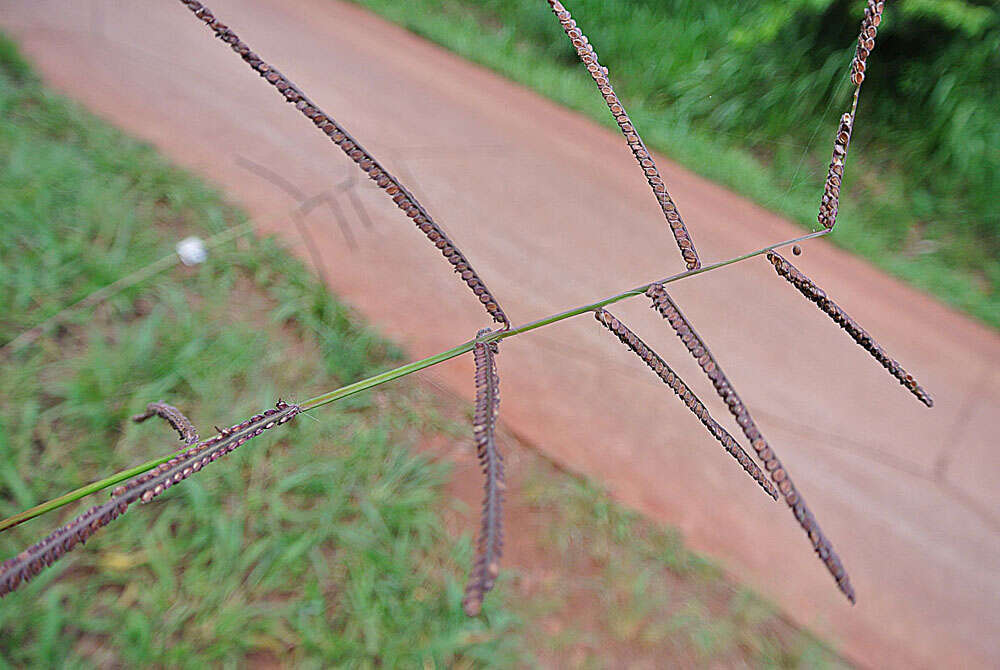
<point>402,371</point>
<point>83,491</point>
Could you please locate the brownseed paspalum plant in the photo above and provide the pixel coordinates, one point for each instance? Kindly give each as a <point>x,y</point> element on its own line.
<point>144,482</point>
<point>667,308</point>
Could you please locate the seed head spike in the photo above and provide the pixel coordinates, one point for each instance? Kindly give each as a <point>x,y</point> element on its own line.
<point>645,159</point>
<point>489,547</point>
<point>30,562</point>
<point>814,293</point>
<point>830,203</point>
<point>667,308</point>
<point>173,416</point>
<point>677,385</point>
<point>362,157</point>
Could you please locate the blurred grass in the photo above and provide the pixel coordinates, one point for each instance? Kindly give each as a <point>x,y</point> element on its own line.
<point>321,545</point>
<point>647,596</point>
<point>749,95</point>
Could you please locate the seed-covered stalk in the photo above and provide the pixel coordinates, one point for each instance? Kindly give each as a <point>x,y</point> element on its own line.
<point>25,566</point>
<point>489,547</point>
<point>830,203</point>
<point>677,385</point>
<point>814,293</point>
<point>668,309</point>
<point>391,185</point>
<point>173,416</point>
<point>404,370</point>
<point>642,155</point>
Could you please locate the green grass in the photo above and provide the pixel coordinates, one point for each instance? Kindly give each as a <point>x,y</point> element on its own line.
<point>760,118</point>
<point>324,544</point>
<point>647,594</point>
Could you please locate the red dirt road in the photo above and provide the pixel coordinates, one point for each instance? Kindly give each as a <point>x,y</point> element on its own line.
<point>552,211</point>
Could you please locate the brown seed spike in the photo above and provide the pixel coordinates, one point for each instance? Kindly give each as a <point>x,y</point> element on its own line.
<point>489,546</point>
<point>600,76</point>
<point>830,202</point>
<point>810,290</point>
<point>173,416</point>
<point>22,568</point>
<point>672,379</point>
<point>667,308</point>
<point>348,145</point>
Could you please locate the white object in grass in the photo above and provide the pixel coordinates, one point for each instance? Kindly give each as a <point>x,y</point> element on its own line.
<point>192,251</point>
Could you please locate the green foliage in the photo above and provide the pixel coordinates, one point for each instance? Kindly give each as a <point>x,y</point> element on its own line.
<point>749,94</point>
<point>322,545</point>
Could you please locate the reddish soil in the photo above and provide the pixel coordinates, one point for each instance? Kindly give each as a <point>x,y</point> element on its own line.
<point>550,208</point>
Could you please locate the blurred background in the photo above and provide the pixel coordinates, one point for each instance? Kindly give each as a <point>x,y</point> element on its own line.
<point>631,540</point>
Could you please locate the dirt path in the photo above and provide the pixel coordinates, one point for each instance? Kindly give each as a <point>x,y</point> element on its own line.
<point>550,209</point>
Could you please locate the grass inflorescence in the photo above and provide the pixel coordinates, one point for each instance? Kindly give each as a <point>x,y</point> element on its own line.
<point>188,433</point>
<point>683,391</point>
<point>665,305</point>
<point>814,293</point>
<point>489,547</point>
<point>600,75</point>
<point>391,185</point>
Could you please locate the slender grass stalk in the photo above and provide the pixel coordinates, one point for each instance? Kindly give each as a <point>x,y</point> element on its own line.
<point>668,309</point>
<point>173,416</point>
<point>20,569</point>
<point>642,156</point>
<point>830,203</point>
<point>404,370</point>
<point>687,396</point>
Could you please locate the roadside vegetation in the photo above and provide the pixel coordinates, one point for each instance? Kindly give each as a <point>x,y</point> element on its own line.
<point>330,544</point>
<point>749,94</point>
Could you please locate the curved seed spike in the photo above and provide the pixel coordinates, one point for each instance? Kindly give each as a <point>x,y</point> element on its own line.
<point>174,417</point>
<point>489,547</point>
<point>830,203</point>
<point>365,160</point>
<point>810,290</point>
<point>30,562</point>
<point>677,385</point>
<point>645,159</point>
<point>667,308</point>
